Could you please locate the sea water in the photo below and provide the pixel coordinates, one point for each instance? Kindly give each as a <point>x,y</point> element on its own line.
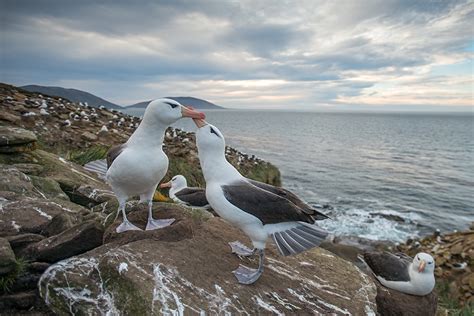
<point>382,176</point>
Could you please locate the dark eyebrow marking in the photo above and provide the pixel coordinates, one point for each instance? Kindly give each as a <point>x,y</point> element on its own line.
<point>214,132</point>
<point>173,105</point>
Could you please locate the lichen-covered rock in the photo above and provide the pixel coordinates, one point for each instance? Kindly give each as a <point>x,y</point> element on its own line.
<point>29,168</point>
<point>76,240</point>
<point>69,175</point>
<point>60,223</point>
<point>49,188</point>
<point>90,196</point>
<point>12,180</point>
<point>194,274</point>
<point>19,242</point>
<point>7,257</point>
<point>15,140</point>
<point>32,215</point>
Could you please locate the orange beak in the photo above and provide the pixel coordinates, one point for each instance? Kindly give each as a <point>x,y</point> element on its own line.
<point>192,113</point>
<point>200,122</point>
<point>165,185</point>
<point>422,266</point>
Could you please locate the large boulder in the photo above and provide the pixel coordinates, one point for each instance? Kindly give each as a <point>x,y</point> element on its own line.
<point>76,240</point>
<point>69,175</point>
<point>16,182</point>
<point>192,275</point>
<point>16,140</point>
<point>31,215</point>
<point>394,303</point>
<point>20,242</point>
<point>49,188</point>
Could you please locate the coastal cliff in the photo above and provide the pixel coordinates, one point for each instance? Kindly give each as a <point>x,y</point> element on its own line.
<point>59,253</point>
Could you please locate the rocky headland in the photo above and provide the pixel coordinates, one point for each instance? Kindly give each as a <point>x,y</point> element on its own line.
<point>59,253</point>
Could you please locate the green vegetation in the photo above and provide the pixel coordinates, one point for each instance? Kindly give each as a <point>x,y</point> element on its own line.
<point>450,304</point>
<point>7,281</point>
<point>86,155</point>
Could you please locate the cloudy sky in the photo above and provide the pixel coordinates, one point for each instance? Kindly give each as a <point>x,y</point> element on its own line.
<point>342,55</point>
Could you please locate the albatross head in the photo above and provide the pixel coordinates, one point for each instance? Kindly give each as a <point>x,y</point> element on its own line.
<point>424,263</point>
<point>168,111</point>
<point>208,138</point>
<point>177,182</point>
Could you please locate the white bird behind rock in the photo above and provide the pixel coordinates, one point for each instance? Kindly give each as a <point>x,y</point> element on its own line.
<point>402,273</point>
<point>136,167</point>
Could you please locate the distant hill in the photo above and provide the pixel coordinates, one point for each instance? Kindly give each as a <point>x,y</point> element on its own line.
<point>194,102</point>
<point>73,95</point>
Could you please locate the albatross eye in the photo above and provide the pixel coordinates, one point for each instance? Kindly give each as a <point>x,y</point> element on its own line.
<point>173,105</point>
<point>214,132</point>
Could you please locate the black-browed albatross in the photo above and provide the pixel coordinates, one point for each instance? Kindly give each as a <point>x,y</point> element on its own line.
<point>401,272</point>
<point>136,167</point>
<point>182,194</point>
<point>258,209</point>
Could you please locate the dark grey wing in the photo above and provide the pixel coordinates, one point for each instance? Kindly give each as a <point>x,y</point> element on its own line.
<point>388,266</point>
<point>291,197</point>
<point>266,206</point>
<point>113,153</point>
<point>193,196</point>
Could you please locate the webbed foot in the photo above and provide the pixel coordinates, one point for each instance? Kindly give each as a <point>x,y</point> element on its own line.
<point>126,225</point>
<point>246,275</point>
<point>158,223</point>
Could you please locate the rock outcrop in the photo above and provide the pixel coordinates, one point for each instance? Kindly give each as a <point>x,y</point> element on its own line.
<point>51,209</point>
<point>393,303</point>
<point>192,273</point>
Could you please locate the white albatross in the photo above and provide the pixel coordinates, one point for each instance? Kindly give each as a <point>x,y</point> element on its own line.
<point>402,273</point>
<point>136,167</point>
<point>188,196</point>
<point>258,209</point>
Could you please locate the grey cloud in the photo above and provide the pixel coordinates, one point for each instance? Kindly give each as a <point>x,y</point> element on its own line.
<point>229,40</point>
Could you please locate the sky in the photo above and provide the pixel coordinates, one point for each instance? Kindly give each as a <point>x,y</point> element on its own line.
<point>275,54</point>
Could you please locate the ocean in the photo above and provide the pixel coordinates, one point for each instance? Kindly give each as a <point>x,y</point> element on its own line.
<point>381,176</point>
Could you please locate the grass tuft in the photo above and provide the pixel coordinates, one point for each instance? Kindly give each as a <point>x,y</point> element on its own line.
<point>86,155</point>
<point>7,280</point>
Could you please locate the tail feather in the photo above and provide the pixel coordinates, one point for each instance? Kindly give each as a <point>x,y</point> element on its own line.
<point>281,244</point>
<point>97,166</point>
<point>299,239</point>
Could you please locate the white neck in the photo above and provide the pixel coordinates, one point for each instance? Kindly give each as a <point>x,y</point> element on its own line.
<point>148,134</point>
<point>177,188</point>
<point>216,168</point>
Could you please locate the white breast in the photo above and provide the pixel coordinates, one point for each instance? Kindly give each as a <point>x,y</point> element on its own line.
<point>136,171</point>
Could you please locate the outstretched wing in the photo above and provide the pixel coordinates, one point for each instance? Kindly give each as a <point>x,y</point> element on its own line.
<point>388,266</point>
<point>290,196</point>
<point>270,208</point>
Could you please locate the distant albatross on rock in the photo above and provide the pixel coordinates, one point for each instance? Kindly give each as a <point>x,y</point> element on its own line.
<point>136,167</point>
<point>182,194</point>
<point>259,209</point>
<point>402,273</point>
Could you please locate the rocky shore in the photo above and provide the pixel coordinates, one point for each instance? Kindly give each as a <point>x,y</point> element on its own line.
<point>59,253</point>
<point>454,257</point>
